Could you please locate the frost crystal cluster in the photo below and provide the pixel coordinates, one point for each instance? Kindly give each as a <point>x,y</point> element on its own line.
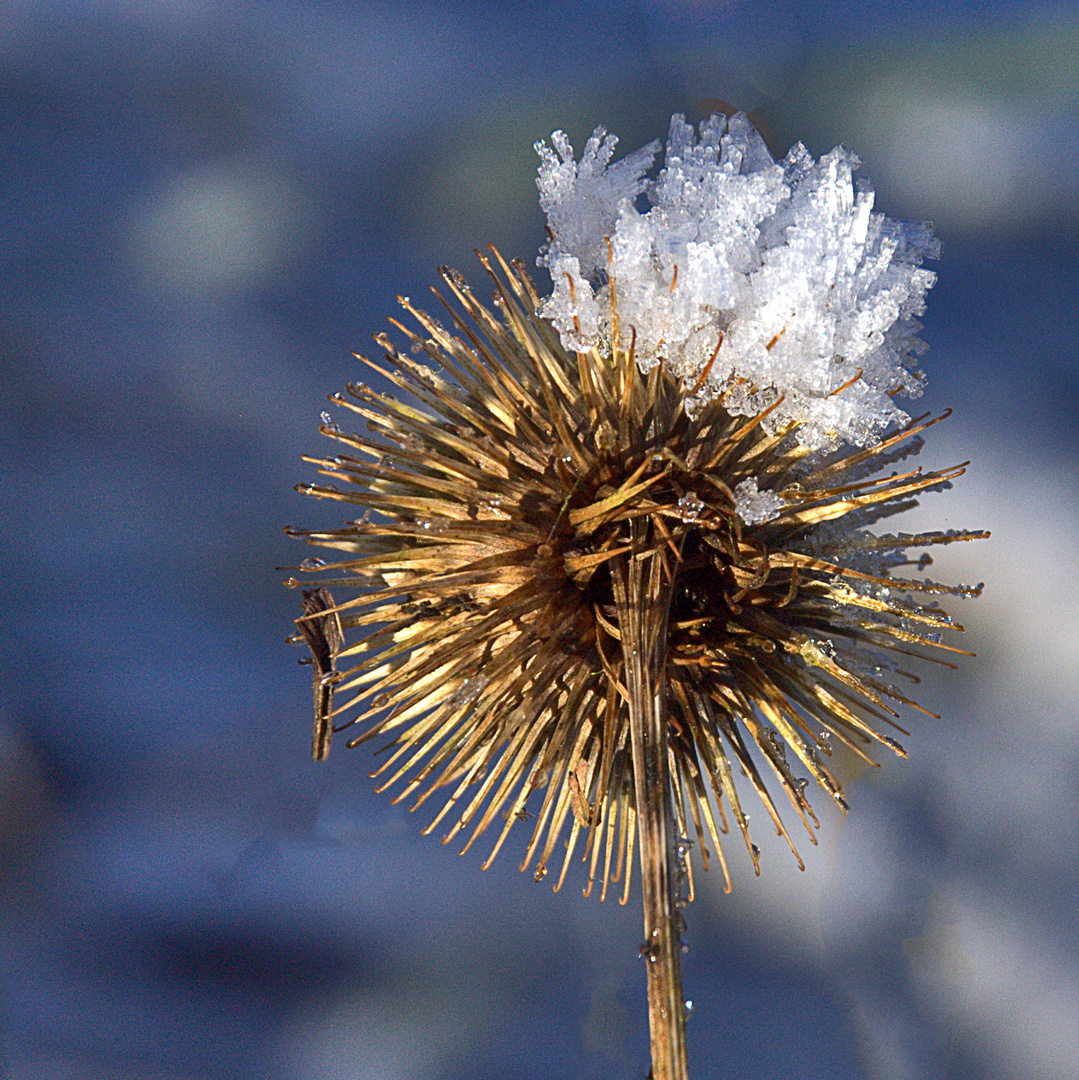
<point>751,279</point>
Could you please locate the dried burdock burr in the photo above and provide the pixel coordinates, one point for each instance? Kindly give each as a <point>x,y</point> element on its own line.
<point>614,547</point>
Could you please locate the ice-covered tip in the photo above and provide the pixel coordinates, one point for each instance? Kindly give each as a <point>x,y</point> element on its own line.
<point>750,278</point>
<point>755,507</point>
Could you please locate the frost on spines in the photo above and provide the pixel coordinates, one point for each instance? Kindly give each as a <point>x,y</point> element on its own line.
<point>750,279</point>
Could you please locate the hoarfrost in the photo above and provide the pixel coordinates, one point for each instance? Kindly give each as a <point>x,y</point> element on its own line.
<point>777,274</point>
<point>753,506</point>
<point>582,199</point>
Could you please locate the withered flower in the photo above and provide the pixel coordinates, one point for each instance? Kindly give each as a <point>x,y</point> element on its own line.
<point>598,571</point>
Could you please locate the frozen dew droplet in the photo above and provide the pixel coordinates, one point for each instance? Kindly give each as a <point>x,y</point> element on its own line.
<point>312,564</point>
<point>681,875</point>
<point>328,424</point>
<point>690,507</point>
<point>468,691</point>
<point>689,1007</point>
<point>649,950</point>
<point>605,437</point>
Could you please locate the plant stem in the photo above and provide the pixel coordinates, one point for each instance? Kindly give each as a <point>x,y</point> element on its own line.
<point>642,592</point>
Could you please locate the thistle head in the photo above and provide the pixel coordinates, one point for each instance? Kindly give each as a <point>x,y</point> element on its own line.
<point>694,429</point>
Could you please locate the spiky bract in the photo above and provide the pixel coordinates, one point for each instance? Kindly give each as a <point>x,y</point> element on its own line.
<point>510,496</point>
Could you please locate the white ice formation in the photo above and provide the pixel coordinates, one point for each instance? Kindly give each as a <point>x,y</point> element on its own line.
<point>754,506</point>
<point>807,293</point>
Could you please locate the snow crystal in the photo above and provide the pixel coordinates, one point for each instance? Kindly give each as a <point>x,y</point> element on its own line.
<point>775,277</point>
<point>753,506</point>
<point>582,200</point>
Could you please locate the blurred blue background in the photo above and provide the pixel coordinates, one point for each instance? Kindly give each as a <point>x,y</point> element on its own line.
<point>204,207</point>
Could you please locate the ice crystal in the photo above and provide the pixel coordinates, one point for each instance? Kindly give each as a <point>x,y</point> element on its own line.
<point>755,507</point>
<point>753,281</point>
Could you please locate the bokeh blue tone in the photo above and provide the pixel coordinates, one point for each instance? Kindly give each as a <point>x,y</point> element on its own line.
<point>204,206</point>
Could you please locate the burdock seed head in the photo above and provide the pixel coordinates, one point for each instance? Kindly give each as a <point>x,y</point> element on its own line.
<point>657,482</point>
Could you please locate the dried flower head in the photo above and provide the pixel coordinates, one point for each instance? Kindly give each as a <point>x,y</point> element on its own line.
<point>615,544</point>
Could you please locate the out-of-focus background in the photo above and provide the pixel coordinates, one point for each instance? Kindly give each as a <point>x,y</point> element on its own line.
<point>203,207</point>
